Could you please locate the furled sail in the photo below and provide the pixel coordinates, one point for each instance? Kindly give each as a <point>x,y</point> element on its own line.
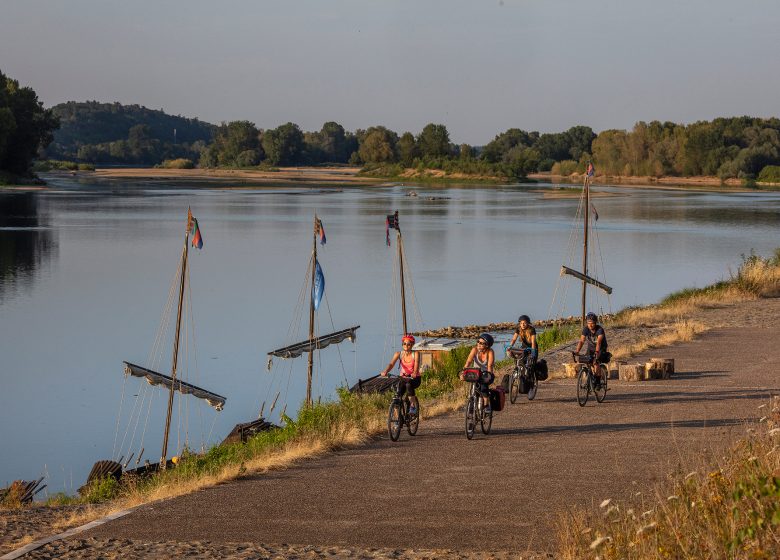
<point>296,350</point>
<point>588,279</point>
<point>154,378</point>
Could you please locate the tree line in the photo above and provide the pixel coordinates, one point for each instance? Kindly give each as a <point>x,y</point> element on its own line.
<point>112,133</point>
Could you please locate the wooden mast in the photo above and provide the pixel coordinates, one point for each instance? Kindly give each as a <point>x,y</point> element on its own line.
<point>311,315</point>
<point>585,246</point>
<point>403,290</point>
<point>183,267</point>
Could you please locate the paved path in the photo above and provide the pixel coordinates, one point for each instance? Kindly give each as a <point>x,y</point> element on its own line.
<point>504,491</point>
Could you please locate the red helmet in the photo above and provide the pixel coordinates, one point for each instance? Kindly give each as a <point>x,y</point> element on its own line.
<point>407,338</point>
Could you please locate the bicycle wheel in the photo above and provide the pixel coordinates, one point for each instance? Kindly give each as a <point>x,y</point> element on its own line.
<point>514,386</point>
<point>413,422</point>
<point>394,420</point>
<point>601,390</point>
<point>471,420</point>
<point>534,384</point>
<point>583,386</point>
<point>485,418</point>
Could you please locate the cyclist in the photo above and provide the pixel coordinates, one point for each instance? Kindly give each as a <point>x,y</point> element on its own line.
<point>526,333</point>
<point>594,335</point>
<point>483,357</point>
<point>409,371</point>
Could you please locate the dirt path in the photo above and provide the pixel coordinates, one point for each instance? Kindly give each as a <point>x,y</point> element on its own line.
<point>502,492</point>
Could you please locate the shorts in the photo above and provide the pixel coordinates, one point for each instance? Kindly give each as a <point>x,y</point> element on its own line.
<point>408,385</point>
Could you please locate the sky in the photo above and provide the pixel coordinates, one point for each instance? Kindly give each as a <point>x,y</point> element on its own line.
<point>477,66</point>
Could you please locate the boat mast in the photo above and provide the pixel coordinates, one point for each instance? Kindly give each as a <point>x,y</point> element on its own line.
<point>585,246</point>
<point>311,315</point>
<point>403,290</point>
<point>183,267</point>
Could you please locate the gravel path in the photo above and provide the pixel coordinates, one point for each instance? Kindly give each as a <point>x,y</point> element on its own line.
<point>438,492</point>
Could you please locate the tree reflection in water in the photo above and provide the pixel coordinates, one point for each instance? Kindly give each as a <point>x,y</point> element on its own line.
<point>26,242</point>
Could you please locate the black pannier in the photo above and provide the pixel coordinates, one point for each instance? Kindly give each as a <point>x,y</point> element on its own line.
<point>541,370</point>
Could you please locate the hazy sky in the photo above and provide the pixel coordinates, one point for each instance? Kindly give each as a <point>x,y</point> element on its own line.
<point>479,67</point>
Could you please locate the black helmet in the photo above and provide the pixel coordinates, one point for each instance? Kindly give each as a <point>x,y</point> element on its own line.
<point>487,338</point>
<point>525,318</point>
<point>592,317</point>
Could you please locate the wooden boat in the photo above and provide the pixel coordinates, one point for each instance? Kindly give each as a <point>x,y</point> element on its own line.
<point>313,343</point>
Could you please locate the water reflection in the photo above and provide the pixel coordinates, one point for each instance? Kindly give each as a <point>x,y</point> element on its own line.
<point>26,242</point>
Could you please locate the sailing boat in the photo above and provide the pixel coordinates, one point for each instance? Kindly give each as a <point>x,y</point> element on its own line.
<point>312,343</point>
<point>171,382</point>
<point>586,279</point>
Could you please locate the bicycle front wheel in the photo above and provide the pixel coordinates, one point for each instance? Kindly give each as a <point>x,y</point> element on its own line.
<point>514,386</point>
<point>485,418</point>
<point>583,386</point>
<point>413,421</point>
<point>471,419</point>
<point>394,420</point>
<point>601,390</point>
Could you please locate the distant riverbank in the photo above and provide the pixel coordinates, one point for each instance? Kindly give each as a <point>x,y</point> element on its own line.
<point>351,176</point>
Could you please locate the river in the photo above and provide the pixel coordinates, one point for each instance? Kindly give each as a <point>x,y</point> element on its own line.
<point>86,268</point>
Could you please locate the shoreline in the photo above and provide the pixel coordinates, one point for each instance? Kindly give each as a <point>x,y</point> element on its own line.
<point>350,176</point>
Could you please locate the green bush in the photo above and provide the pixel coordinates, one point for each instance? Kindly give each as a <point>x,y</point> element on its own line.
<point>178,163</point>
<point>769,174</point>
<point>86,167</point>
<point>564,168</point>
<point>101,490</point>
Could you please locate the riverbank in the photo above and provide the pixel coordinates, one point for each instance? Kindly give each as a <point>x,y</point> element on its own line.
<point>352,176</point>
<point>352,423</point>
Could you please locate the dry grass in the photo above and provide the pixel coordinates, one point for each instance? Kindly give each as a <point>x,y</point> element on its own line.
<point>729,510</point>
<point>682,330</point>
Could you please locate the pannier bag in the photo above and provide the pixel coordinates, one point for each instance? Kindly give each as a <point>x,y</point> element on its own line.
<point>606,357</point>
<point>497,398</point>
<point>524,384</point>
<point>505,382</point>
<point>488,377</point>
<point>541,370</point>
<point>471,375</point>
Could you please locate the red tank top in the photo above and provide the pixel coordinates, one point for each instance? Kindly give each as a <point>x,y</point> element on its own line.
<point>407,370</point>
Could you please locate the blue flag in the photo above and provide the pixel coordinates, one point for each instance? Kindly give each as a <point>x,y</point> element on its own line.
<point>319,284</point>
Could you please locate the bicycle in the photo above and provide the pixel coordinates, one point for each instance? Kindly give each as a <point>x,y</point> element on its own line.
<point>475,407</point>
<point>521,372</point>
<point>587,381</point>
<point>398,414</point>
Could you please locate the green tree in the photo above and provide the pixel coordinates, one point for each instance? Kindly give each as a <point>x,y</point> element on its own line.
<point>407,149</point>
<point>283,145</point>
<point>378,145</point>
<point>434,141</point>
<point>25,126</point>
<point>497,148</point>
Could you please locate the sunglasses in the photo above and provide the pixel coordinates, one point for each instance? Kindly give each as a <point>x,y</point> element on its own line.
<point>481,343</point>
<point>407,344</point>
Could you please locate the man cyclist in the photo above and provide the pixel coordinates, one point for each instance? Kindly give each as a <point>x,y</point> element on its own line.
<point>596,338</point>
<point>526,333</point>
<point>483,358</point>
<point>408,371</point>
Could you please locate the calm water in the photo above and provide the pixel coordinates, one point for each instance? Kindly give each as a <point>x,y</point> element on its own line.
<point>85,271</point>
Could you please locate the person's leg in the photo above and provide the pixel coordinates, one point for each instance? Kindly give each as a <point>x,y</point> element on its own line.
<point>413,384</point>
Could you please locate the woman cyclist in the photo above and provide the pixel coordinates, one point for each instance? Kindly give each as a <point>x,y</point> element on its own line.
<point>409,371</point>
<point>483,357</point>
<point>527,335</point>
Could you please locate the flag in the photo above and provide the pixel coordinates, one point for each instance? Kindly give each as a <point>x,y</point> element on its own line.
<point>319,285</point>
<point>591,170</point>
<point>595,214</point>
<point>197,238</point>
<point>319,230</point>
<point>391,222</point>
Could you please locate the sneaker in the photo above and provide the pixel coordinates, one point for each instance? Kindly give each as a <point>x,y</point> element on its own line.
<point>412,410</point>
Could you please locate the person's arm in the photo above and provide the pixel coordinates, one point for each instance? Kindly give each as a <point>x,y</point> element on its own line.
<point>470,359</point>
<point>580,343</point>
<point>533,343</point>
<point>490,360</point>
<point>598,344</point>
<point>396,357</point>
<point>416,371</point>
<point>514,338</point>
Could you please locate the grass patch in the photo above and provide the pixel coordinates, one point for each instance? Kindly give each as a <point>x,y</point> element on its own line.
<point>727,510</point>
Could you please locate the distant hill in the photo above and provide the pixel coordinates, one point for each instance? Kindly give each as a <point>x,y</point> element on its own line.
<point>114,133</point>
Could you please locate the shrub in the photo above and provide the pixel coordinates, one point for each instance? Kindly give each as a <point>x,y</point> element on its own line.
<point>769,174</point>
<point>178,163</point>
<point>564,168</point>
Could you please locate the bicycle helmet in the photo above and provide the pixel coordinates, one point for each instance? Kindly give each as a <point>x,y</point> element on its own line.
<point>487,338</point>
<point>592,317</point>
<point>408,338</point>
<point>525,318</point>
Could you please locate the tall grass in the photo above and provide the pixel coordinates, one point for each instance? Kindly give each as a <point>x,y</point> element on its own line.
<point>726,510</point>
